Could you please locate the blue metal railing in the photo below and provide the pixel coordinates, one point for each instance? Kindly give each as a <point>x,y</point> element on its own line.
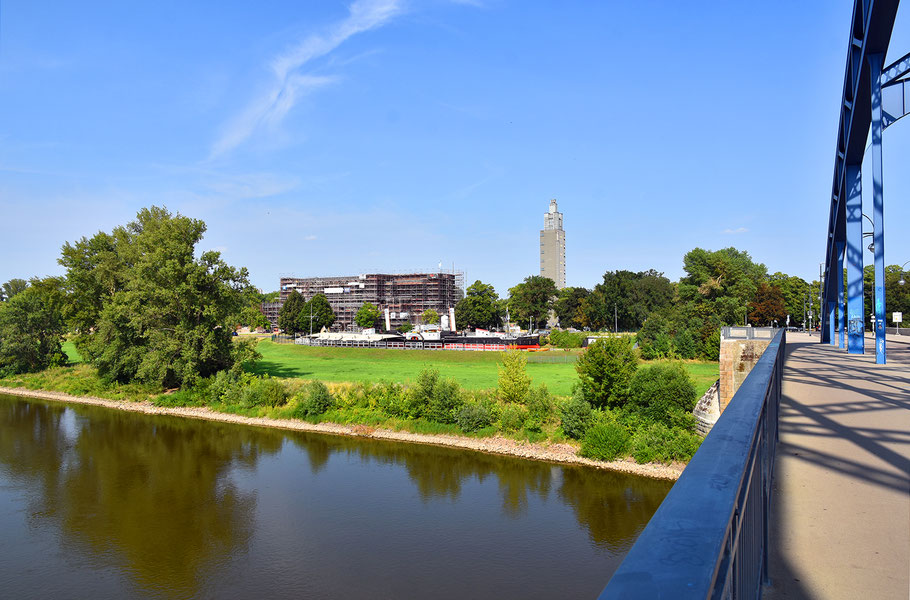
<point>709,538</point>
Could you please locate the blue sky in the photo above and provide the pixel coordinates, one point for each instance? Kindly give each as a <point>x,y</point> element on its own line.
<point>320,138</point>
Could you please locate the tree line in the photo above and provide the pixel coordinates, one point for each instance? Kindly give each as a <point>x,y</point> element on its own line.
<point>141,306</point>
<point>683,318</point>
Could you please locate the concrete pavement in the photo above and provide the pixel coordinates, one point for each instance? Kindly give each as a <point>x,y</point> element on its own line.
<point>841,505</point>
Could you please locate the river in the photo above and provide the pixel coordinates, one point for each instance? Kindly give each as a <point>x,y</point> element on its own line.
<point>100,503</point>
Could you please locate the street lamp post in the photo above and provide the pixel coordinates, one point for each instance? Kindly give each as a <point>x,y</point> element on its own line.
<point>902,281</point>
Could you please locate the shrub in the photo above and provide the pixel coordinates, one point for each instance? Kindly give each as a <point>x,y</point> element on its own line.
<point>605,371</point>
<point>474,416</point>
<point>663,393</point>
<point>685,345</point>
<point>514,382</point>
<point>434,398</point>
<point>660,347</point>
<point>650,329</point>
<point>386,395</point>
<point>445,401</point>
<point>605,441</point>
<point>575,414</point>
<point>221,384</point>
<point>513,417</point>
<point>659,443</point>
<point>710,348</point>
<point>397,403</point>
<point>316,400</point>
<point>540,408</point>
<point>567,339</point>
<point>263,391</point>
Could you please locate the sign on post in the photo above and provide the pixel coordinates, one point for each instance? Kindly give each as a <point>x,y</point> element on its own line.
<point>898,317</point>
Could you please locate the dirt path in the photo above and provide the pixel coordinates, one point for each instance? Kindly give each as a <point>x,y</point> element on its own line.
<point>558,453</point>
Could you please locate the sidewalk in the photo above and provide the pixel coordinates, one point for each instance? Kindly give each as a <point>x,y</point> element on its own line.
<point>840,518</point>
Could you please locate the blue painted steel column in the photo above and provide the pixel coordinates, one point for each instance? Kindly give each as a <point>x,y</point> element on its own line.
<point>856,342</point>
<point>841,321</point>
<point>832,322</point>
<point>878,205</point>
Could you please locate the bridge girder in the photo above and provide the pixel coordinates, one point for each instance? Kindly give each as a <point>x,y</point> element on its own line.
<point>864,103</point>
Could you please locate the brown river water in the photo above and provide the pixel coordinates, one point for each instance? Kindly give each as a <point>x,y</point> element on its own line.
<point>99,503</point>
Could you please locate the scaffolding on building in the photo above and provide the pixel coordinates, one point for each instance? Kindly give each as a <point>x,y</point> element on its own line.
<point>405,295</point>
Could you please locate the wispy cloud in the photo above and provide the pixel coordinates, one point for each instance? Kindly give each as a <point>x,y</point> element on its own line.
<point>737,230</point>
<point>252,185</point>
<point>290,83</point>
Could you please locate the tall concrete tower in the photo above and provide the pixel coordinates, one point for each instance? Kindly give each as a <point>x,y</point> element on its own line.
<point>553,247</point>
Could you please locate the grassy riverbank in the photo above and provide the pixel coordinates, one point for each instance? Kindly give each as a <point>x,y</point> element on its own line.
<point>549,452</point>
<point>446,393</point>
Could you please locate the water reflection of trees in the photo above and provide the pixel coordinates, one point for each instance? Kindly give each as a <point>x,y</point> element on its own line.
<point>612,507</point>
<point>151,495</point>
<point>148,493</point>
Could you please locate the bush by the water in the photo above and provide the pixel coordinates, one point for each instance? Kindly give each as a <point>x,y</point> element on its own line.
<point>605,440</point>
<point>264,391</point>
<point>575,414</point>
<point>663,393</point>
<point>315,399</point>
<point>605,371</point>
<point>475,415</point>
<point>243,389</point>
<point>659,443</point>
<point>438,399</point>
<point>513,417</point>
<point>540,408</point>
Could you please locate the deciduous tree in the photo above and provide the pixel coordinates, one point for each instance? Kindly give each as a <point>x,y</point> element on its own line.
<point>13,287</point>
<point>720,283</point>
<point>319,312</point>
<point>368,316</point>
<point>605,371</point>
<point>289,314</point>
<point>32,327</point>
<point>479,308</point>
<point>625,299</point>
<point>168,320</point>
<point>768,306</point>
<point>567,304</point>
<point>532,300</point>
<point>514,382</point>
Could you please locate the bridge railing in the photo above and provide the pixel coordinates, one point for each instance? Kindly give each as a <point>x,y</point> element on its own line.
<point>709,538</point>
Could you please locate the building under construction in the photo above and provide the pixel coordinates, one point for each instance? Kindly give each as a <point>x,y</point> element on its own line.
<point>406,296</point>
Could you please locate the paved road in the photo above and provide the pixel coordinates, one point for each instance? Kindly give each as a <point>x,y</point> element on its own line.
<point>841,504</point>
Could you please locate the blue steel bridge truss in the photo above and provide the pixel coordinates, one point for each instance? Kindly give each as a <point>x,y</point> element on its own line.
<point>874,98</point>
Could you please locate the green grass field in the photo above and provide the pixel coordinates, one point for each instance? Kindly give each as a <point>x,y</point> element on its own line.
<point>72,354</point>
<point>473,370</point>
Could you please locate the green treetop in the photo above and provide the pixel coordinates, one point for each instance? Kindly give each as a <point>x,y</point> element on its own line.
<point>531,300</point>
<point>289,314</point>
<point>159,314</point>
<point>368,316</point>
<point>32,327</point>
<point>720,283</point>
<point>12,287</point>
<point>479,308</point>
<point>317,311</point>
